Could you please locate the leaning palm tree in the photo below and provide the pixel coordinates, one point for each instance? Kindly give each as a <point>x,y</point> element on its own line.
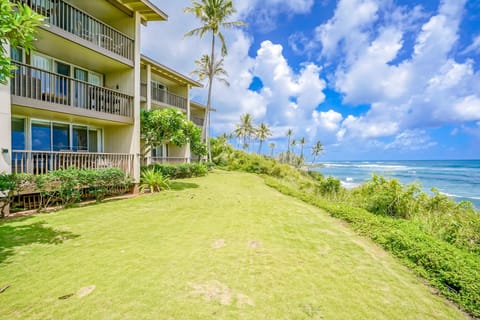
<point>316,150</point>
<point>213,15</point>
<point>302,142</point>
<point>263,132</point>
<point>272,146</point>
<point>244,129</point>
<point>289,136</point>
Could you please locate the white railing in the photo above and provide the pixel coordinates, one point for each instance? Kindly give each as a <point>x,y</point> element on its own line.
<point>73,20</point>
<point>38,84</point>
<point>41,162</point>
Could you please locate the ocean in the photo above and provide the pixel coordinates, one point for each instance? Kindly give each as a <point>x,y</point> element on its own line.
<point>458,179</point>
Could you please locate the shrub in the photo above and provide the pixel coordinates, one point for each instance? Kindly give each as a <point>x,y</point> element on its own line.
<point>329,186</point>
<point>179,171</point>
<point>154,181</point>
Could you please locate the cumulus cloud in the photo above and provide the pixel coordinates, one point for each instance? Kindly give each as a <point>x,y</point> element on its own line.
<point>425,88</point>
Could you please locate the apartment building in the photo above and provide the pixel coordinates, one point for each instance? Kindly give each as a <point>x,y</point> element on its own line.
<point>163,87</point>
<point>75,100</point>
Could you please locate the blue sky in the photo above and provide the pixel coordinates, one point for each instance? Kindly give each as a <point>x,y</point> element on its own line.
<point>371,79</point>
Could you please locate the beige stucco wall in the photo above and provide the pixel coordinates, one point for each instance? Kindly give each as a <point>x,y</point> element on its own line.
<point>5,128</point>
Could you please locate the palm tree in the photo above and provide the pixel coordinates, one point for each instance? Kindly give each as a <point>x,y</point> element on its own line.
<point>302,143</point>
<point>316,150</point>
<point>213,14</point>
<point>205,69</point>
<point>293,144</point>
<point>245,130</point>
<point>272,146</point>
<point>263,132</point>
<point>289,136</point>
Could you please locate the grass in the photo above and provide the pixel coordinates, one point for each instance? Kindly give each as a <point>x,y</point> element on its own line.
<point>223,246</point>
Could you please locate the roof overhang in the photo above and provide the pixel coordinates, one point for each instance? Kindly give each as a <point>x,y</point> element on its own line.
<point>169,73</point>
<point>148,11</point>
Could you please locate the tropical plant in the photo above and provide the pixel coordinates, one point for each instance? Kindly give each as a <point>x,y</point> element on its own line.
<point>302,142</point>
<point>244,129</point>
<point>263,132</point>
<point>272,146</point>
<point>18,27</point>
<point>289,137</point>
<point>170,126</point>
<point>316,150</point>
<point>213,15</point>
<point>153,181</point>
<point>293,144</point>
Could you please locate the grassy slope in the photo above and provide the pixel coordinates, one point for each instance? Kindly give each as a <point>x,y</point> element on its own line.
<point>154,257</point>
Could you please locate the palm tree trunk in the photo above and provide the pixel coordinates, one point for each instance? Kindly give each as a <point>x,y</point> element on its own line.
<point>209,100</point>
<point>260,147</point>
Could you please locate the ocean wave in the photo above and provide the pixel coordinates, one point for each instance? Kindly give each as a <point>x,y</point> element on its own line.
<point>384,167</point>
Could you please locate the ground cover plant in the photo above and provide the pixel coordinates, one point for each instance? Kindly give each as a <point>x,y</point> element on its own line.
<point>221,246</point>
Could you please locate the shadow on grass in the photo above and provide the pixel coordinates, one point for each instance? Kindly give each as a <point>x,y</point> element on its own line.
<point>13,236</point>
<point>178,186</point>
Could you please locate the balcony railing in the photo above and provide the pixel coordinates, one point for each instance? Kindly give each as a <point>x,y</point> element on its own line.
<point>165,97</point>
<point>38,84</point>
<point>73,20</point>
<point>41,162</point>
<point>171,160</point>
<point>198,121</point>
<point>143,90</point>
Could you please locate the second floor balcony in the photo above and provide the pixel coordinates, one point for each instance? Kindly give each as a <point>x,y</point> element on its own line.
<point>39,88</point>
<point>164,97</point>
<point>74,21</point>
<point>198,121</point>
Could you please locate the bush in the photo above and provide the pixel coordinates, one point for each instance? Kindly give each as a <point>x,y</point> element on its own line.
<point>154,181</point>
<point>329,186</point>
<point>179,171</point>
<point>70,186</point>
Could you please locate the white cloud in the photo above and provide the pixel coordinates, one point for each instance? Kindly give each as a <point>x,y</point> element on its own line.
<point>329,121</point>
<point>423,89</point>
<point>350,19</point>
<point>411,140</point>
<point>474,46</point>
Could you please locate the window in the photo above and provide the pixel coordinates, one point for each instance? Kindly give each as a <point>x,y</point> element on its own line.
<point>18,134</point>
<point>80,140</point>
<point>41,136</point>
<point>61,137</point>
<point>55,136</point>
<point>16,54</point>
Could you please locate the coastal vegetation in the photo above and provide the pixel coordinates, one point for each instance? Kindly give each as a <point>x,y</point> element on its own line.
<point>221,246</point>
<point>435,236</point>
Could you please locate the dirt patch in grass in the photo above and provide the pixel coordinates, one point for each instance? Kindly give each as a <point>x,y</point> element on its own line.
<point>254,244</point>
<point>85,291</point>
<point>218,292</point>
<point>219,243</point>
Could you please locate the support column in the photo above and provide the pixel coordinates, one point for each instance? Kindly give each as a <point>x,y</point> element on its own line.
<point>188,153</point>
<point>148,105</point>
<point>5,126</point>
<point>135,145</point>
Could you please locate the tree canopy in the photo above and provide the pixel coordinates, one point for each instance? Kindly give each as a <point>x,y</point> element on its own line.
<point>170,126</point>
<point>18,24</point>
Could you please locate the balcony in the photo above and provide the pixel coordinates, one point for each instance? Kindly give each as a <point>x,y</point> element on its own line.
<point>162,96</point>
<point>41,162</point>
<point>44,89</point>
<point>68,18</point>
<point>198,121</point>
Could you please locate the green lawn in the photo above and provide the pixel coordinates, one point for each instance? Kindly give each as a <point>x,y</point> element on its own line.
<point>223,246</point>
